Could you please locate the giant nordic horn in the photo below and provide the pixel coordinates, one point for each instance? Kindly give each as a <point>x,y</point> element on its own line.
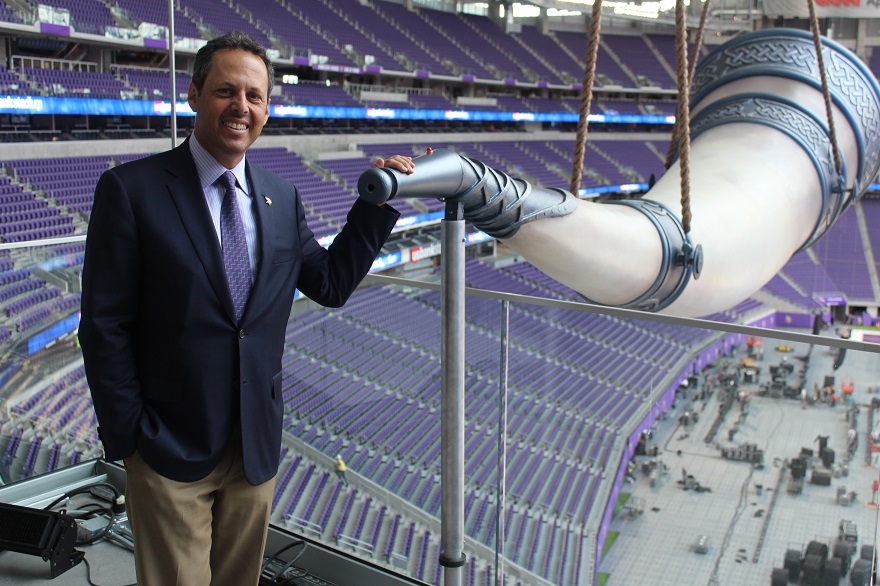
<point>763,185</point>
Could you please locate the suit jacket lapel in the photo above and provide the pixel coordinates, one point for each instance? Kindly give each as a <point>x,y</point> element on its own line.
<point>186,191</point>
<point>265,232</point>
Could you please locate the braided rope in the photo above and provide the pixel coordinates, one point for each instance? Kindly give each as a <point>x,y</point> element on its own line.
<point>698,43</point>
<point>684,112</point>
<point>586,96</point>
<point>826,94</point>
<point>698,46</point>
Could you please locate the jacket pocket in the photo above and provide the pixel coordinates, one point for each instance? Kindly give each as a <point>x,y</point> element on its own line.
<point>276,386</point>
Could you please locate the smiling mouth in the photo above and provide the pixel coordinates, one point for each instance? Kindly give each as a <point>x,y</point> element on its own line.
<point>235,126</point>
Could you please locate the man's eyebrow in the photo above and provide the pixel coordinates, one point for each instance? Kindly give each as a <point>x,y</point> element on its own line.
<point>227,84</point>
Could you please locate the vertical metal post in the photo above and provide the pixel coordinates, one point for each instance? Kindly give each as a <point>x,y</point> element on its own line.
<point>171,61</point>
<point>502,446</point>
<point>452,556</point>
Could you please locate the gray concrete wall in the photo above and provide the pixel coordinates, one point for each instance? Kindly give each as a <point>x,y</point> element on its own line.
<point>309,146</point>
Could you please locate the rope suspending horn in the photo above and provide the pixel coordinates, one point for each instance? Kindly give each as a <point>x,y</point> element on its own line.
<point>586,96</point>
<point>684,112</point>
<point>826,93</point>
<point>698,46</point>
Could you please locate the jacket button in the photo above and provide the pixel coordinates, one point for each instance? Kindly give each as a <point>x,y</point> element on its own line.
<point>241,333</point>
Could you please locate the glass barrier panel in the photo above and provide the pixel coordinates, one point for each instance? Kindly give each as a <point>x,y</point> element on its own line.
<point>601,446</point>
<point>361,383</point>
<point>46,421</point>
<point>644,451</point>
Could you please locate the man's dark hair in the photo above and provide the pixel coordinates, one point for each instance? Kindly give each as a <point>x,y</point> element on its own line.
<point>229,41</point>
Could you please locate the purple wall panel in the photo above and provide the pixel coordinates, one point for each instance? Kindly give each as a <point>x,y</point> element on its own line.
<point>795,320</point>
<point>156,43</point>
<point>54,29</point>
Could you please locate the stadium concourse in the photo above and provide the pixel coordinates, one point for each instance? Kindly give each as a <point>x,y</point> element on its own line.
<point>630,458</point>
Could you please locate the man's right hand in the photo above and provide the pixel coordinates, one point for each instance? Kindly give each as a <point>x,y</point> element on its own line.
<point>399,162</point>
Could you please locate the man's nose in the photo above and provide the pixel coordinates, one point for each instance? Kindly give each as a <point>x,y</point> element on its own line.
<point>240,103</point>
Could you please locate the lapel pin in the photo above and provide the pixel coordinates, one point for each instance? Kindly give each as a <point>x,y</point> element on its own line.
<point>268,200</point>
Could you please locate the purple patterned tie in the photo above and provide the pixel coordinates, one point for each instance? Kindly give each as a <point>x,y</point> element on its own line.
<point>235,253</point>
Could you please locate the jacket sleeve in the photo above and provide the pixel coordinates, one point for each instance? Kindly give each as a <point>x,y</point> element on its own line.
<point>110,285</point>
<point>330,276</point>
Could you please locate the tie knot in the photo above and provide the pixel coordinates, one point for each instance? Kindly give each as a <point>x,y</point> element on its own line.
<point>227,180</point>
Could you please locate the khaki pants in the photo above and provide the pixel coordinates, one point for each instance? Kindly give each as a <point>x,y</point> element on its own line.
<point>211,532</point>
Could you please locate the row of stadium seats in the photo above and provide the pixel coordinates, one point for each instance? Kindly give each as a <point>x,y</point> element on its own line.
<point>52,197</point>
<point>347,33</point>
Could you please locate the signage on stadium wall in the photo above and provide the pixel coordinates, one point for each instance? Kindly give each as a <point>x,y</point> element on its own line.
<point>824,8</point>
<point>420,219</point>
<point>401,256</point>
<point>476,237</point>
<point>337,68</point>
<point>107,107</point>
<point>387,261</point>
<point>418,253</point>
<point>830,299</point>
<point>52,333</point>
<point>625,188</point>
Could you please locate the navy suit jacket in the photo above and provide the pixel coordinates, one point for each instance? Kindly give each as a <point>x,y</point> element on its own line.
<point>169,369</point>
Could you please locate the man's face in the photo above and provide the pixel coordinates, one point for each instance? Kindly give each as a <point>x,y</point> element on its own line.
<point>233,105</point>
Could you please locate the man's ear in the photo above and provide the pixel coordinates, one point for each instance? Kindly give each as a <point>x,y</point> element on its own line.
<point>192,94</point>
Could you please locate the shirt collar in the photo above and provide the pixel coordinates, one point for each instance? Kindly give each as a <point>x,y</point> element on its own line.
<point>210,170</point>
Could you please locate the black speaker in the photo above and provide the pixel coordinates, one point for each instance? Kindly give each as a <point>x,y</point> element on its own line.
<point>827,457</point>
<point>860,574</point>
<point>844,552</point>
<point>47,534</point>
<point>821,478</point>
<point>817,548</point>
<point>778,577</point>
<point>792,564</point>
<point>838,360</point>
<point>812,569</point>
<point>832,572</point>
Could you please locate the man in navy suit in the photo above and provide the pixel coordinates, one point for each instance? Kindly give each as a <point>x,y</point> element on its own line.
<point>187,393</point>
